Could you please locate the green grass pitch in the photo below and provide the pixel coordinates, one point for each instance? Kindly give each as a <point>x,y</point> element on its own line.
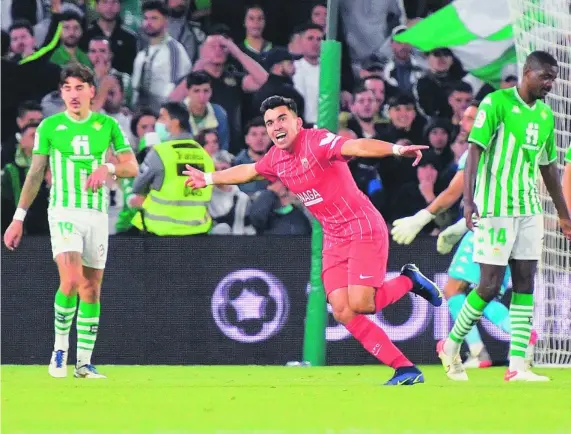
<point>248,399</point>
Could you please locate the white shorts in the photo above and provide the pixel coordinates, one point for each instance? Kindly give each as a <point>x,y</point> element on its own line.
<point>80,230</point>
<point>499,239</point>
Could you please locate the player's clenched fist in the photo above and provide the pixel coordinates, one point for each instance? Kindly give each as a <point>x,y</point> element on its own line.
<point>13,234</point>
<point>195,178</point>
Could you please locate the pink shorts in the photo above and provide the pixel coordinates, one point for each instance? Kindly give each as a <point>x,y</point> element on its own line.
<point>360,262</point>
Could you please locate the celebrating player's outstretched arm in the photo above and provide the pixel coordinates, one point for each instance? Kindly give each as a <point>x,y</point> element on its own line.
<point>240,174</point>
<point>243,173</point>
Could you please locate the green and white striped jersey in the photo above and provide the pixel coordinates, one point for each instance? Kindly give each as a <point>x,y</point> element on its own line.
<point>76,149</point>
<point>516,139</point>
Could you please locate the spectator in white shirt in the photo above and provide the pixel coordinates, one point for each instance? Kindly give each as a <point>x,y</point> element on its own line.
<point>306,77</point>
<point>162,64</point>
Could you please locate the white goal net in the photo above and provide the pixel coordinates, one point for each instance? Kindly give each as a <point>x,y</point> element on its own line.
<point>546,25</point>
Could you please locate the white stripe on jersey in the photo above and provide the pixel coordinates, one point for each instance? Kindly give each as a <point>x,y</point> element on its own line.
<point>515,182</point>
<point>58,180</point>
<point>70,180</point>
<point>493,196</point>
<point>350,209</point>
<point>84,193</point>
<point>506,173</point>
<point>95,204</point>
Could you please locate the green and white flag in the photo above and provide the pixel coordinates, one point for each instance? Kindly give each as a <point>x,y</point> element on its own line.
<point>479,33</point>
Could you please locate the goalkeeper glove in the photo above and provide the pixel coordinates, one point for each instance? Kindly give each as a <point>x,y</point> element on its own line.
<point>405,230</point>
<point>450,236</point>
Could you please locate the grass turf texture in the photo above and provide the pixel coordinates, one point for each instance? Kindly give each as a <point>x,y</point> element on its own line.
<point>351,400</point>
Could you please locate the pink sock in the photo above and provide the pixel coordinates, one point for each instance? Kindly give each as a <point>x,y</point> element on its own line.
<point>392,291</point>
<point>376,342</point>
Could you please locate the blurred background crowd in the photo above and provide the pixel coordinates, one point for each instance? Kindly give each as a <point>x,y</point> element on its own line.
<point>180,69</point>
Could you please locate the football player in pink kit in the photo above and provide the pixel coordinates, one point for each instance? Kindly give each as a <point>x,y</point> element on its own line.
<point>312,163</point>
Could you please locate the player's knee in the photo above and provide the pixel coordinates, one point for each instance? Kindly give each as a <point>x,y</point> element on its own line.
<point>70,283</point>
<point>489,290</point>
<point>343,315</point>
<point>361,302</point>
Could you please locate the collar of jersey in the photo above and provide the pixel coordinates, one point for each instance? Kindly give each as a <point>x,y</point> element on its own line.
<point>76,121</point>
<point>518,96</point>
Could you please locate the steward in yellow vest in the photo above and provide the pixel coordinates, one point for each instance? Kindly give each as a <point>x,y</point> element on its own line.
<point>170,208</point>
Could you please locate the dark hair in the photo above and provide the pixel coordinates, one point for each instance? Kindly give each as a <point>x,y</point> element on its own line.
<point>28,106</point>
<point>219,29</point>
<point>278,101</point>
<point>79,71</point>
<point>70,15</point>
<point>360,88</point>
<point>201,138</point>
<point>258,121</point>
<point>178,111</point>
<point>309,26</point>
<point>475,103</point>
<point>30,125</point>
<point>143,111</point>
<point>539,60</point>
<point>253,6</point>
<point>197,78</point>
<point>461,86</point>
<point>155,5</point>
<point>22,24</point>
<point>319,3</point>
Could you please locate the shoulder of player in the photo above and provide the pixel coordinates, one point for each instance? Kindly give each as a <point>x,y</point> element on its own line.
<point>52,122</point>
<point>103,119</point>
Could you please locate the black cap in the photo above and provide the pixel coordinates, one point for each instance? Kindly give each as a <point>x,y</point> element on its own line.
<point>441,52</point>
<point>277,55</point>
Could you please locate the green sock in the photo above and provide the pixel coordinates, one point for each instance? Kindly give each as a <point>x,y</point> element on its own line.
<point>87,325</point>
<point>64,311</point>
<point>521,319</point>
<point>469,315</point>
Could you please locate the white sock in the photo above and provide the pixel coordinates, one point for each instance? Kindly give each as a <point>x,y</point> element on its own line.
<point>451,348</point>
<point>517,363</point>
<point>476,349</point>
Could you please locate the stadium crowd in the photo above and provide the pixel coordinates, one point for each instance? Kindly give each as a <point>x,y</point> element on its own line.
<point>181,69</point>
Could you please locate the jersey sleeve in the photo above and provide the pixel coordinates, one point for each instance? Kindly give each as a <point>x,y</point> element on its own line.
<point>462,161</point>
<point>568,156</point>
<point>549,153</point>
<point>327,146</point>
<point>119,139</point>
<point>42,141</point>
<point>265,168</point>
<point>486,122</point>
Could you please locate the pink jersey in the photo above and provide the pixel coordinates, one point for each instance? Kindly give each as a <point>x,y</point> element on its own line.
<point>318,174</point>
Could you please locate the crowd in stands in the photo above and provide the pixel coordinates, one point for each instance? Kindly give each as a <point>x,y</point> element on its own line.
<point>179,69</point>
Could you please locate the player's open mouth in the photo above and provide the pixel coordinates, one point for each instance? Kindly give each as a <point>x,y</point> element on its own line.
<point>280,137</point>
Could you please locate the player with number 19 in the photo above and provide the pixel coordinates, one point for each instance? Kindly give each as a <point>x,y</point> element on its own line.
<point>512,140</point>
<point>76,142</point>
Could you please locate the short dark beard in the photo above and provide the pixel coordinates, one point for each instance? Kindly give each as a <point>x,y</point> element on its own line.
<point>69,46</point>
<point>177,12</point>
<point>366,120</point>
